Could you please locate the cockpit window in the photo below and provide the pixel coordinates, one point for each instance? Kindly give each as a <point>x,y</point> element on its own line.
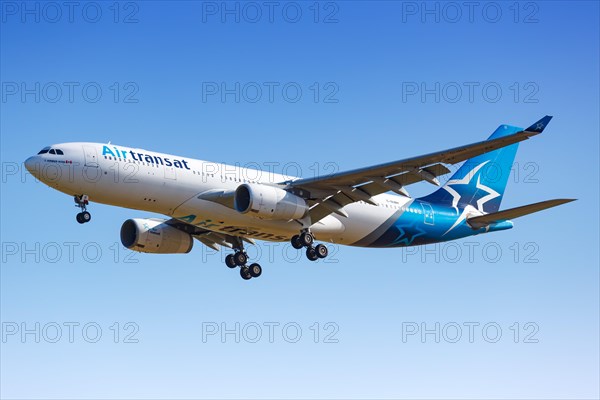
<point>50,150</point>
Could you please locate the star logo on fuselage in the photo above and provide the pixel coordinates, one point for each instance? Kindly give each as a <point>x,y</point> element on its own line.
<point>407,234</point>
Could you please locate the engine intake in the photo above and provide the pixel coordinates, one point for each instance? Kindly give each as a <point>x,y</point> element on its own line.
<point>152,235</point>
<point>268,202</point>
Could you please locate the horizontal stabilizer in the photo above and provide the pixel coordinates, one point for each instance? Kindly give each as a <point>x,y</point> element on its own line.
<point>488,219</point>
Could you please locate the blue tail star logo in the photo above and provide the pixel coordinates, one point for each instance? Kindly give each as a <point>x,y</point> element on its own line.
<point>481,192</point>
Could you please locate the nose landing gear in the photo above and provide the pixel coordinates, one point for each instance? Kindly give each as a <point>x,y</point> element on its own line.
<point>82,202</point>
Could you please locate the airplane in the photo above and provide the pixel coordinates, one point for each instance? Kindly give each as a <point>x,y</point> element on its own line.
<point>224,205</point>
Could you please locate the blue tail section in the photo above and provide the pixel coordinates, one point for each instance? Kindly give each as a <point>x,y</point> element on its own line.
<point>479,183</point>
<point>481,180</point>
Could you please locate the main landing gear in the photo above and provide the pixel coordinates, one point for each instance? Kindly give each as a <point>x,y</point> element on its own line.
<point>306,239</point>
<point>239,259</point>
<point>82,202</point>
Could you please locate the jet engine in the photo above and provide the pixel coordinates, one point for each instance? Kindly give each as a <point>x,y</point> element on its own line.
<point>153,235</point>
<point>268,202</point>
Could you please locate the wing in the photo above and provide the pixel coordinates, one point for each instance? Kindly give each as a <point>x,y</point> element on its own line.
<point>209,238</point>
<point>331,193</point>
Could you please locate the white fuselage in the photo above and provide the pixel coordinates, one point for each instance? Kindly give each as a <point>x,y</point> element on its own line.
<point>170,185</point>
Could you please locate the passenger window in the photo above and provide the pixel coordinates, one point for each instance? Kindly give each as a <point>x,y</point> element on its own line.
<point>52,151</point>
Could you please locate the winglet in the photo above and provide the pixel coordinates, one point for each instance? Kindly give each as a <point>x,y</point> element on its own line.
<point>539,126</point>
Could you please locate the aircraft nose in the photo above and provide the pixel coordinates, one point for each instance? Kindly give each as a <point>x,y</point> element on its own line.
<point>30,164</point>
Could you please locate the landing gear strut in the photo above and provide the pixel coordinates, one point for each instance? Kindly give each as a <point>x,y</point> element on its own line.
<point>82,202</point>
<point>306,239</point>
<point>239,259</point>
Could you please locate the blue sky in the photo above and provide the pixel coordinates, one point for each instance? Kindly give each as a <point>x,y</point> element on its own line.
<point>353,84</point>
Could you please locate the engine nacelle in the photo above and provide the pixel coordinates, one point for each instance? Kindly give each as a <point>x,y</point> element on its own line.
<point>268,202</point>
<point>154,236</point>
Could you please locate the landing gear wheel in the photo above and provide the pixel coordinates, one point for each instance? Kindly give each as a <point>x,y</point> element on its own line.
<point>82,202</point>
<point>311,254</point>
<point>296,242</point>
<point>229,261</point>
<point>321,251</point>
<point>255,270</point>
<point>86,216</point>
<point>307,239</point>
<point>240,258</point>
<point>245,273</point>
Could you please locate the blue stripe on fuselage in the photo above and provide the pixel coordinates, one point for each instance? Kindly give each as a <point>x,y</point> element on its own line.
<point>424,223</point>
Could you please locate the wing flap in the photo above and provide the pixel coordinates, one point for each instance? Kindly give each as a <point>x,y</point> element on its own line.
<point>207,237</point>
<point>346,195</point>
<point>208,243</point>
<point>511,213</point>
<point>385,184</point>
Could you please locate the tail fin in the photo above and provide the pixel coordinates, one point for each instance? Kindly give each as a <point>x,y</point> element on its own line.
<point>481,180</point>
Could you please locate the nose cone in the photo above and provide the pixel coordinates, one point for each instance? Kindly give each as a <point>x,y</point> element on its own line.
<point>30,164</point>
<point>33,166</point>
